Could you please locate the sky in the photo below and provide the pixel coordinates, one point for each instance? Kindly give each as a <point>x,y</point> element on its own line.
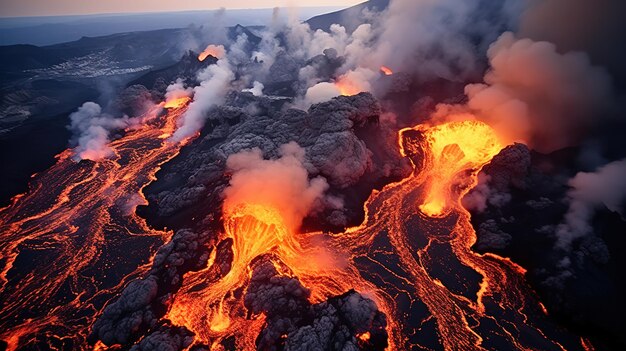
<point>14,8</point>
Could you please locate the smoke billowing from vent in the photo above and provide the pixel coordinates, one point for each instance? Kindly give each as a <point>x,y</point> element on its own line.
<point>535,95</point>
<point>91,131</point>
<point>256,90</point>
<point>605,187</point>
<point>176,92</point>
<point>282,184</point>
<point>214,85</point>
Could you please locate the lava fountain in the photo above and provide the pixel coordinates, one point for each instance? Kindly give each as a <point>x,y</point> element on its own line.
<point>454,148</point>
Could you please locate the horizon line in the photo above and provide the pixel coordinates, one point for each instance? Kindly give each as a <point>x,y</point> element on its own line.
<point>165,12</point>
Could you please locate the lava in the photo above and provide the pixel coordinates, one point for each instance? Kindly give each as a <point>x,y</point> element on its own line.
<point>412,254</point>
<point>348,86</point>
<point>386,70</point>
<point>453,148</point>
<point>216,51</point>
<point>64,243</point>
<point>177,102</point>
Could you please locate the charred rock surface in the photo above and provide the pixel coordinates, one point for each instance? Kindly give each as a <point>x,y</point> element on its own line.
<point>346,322</point>
<point>144,301</point>
<point>574,283</point>
<point>192,183</point>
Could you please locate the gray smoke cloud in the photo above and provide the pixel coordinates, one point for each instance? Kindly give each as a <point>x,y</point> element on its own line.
<point>214,85</point>
<point>579,25</point>
<point>536,95</point>
<point>91,130</point>
<point>605,187</point>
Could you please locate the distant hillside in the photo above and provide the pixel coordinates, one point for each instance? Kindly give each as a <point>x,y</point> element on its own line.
<point>350,18</point>
<point>21,57</point>
<point>60,29</point>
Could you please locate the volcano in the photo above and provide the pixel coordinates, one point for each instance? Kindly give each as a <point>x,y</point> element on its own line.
<point>399,175</point>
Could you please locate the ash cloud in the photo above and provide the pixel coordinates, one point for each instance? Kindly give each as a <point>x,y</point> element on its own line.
<point>282,184</point>
<point>579,25</point>
<point>535,95</point>
<point>590,191</point>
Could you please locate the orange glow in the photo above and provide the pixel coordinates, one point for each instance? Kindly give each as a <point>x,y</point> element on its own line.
<point>347,87</point>
<point>386,70</point>
<point>74,200</point>
<point>454,147</point>
<point>216,51</point>
<point>81,201</point>
<point>177,102</point>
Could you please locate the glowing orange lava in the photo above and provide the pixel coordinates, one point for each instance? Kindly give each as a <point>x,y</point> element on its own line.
<point>386,70</point>
<point>453,148</point>
<point>216,51</point>
<point>347,87</point>
<point>411,229</point>
<point>76,214</point>
<point>177,102</point>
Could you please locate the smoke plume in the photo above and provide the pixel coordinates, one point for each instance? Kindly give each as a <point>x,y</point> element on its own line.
<point>177,91</point>
<point>91,129</point>
<point>605,187</point>
<point>215,81</point>
<point>282,184</point>
<point>535,95</point>
<point>256,90</point>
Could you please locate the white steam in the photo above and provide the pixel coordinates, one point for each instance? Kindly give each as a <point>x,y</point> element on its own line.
<point>91,131</point>
<point>215,82</point>
<point>256,90</point>
<point>590,191</point>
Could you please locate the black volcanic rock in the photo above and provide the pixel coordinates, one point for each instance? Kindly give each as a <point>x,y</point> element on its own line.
<point>186,68</point>
<point>292,323</point>
<point>325,65</point>
<point>165,338</point>
<point>143,301</point>
<point>582,286</point>
<point>510,167</point>
<point>190,184</point>
<point>133,101</point>
<point>252,40</point>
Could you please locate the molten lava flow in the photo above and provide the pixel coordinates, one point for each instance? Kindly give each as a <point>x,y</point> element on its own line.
<point>73,240</point>
<point>386,70</point>
<point>412,255</point>
<point>348,86</point>
<point>216,51</point>
<point>471,301</point>
<point>453,148</point>
<point>177,102</point>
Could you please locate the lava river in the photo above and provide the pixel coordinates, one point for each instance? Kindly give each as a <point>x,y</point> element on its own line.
<point>411,255</point>
<point>73,240</point>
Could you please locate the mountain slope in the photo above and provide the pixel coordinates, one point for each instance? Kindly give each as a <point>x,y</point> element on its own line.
<point>350,18</point>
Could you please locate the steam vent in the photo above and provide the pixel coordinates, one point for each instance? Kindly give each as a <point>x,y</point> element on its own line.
<point>381,175</point>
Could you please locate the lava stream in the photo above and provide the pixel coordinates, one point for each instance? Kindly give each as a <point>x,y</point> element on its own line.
<point>65,243</point>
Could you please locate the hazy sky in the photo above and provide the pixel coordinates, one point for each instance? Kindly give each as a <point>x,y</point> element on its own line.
<point>11,8</point>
